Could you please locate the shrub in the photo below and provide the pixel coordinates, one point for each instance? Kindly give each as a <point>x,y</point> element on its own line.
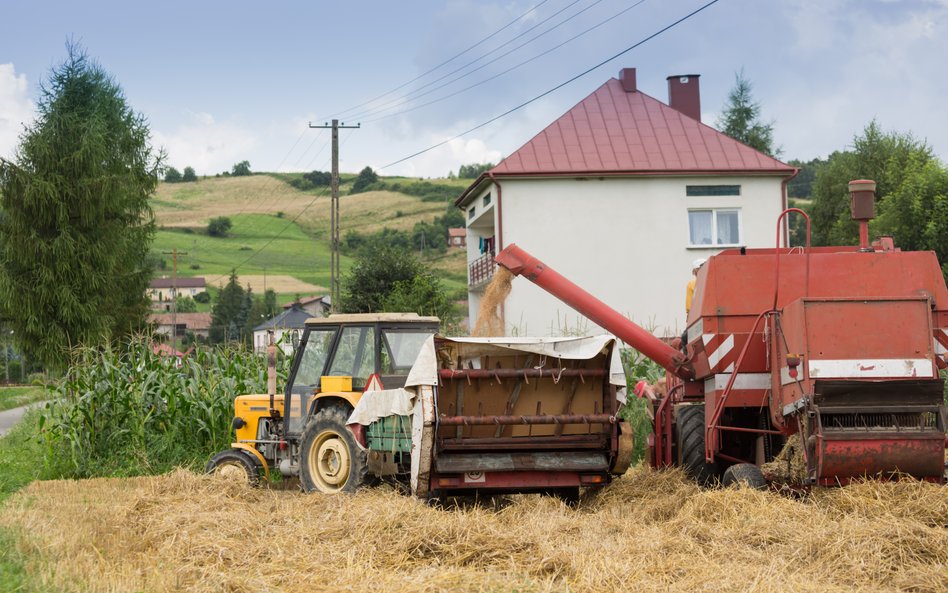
<point>202,297</point>
<point>219,226</point>
<point>241,169</point>
<point>189,175</point>
<point>195,266</point>
<point>172,175</point>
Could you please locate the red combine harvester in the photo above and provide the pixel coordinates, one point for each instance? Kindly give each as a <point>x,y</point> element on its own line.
<point>838,345</point>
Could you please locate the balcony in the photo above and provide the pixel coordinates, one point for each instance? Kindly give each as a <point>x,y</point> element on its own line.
<point>480,271</point>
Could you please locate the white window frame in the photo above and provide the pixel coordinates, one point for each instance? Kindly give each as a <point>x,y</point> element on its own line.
<point>714,228</point>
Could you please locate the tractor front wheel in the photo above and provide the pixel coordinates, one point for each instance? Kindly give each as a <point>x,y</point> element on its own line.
<point>331,460</point>
<point>236,465</point>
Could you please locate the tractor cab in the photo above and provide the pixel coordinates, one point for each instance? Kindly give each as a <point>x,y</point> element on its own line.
<point>339,355</point>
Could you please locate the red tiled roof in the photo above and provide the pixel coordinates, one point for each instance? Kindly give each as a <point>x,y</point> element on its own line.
<point>457,232</point>
<point>614,131</point>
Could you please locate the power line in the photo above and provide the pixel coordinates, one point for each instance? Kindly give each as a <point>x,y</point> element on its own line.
<point>408,96</point>
<point>512,68</point>
<point>555,88</point>
<point>449,60</point>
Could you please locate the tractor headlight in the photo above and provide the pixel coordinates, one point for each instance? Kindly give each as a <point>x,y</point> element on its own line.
<point>238,423</point>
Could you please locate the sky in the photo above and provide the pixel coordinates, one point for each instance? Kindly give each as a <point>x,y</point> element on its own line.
<point>220,82</point>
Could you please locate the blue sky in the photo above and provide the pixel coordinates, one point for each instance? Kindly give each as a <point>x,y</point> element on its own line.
<point>222,82</point>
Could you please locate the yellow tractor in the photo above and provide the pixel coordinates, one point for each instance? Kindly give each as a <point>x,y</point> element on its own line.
<point>302,432</point>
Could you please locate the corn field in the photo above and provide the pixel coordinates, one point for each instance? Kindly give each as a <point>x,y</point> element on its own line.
<point>130,411</point>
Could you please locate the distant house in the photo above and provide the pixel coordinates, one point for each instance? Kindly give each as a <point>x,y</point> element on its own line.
<point>316,306</point>
<point>287,330</point>
<point>162,290</point>
<point>620,195</point>
<point>198,324</point>
<point>457,237</point>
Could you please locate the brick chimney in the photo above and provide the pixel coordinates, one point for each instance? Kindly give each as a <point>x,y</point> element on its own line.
<point>684,95</point>
<point>627,78</point>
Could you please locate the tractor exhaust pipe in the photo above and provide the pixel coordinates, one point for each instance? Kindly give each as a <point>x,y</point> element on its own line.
<point>271,372</point>
<point>521,263</point>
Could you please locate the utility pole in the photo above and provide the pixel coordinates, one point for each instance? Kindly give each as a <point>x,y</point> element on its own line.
<point>174,253</point>
<point>334,210</point>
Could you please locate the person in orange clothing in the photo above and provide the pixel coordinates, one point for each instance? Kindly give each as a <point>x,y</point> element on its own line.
<point>690,291</point>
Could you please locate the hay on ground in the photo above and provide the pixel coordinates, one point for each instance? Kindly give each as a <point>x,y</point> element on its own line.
<point>648,531</point>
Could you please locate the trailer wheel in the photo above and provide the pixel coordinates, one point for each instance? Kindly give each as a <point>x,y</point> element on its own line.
<point>744,474</point>
<point>236,465</point>
<point>331,460</point>
<point>691,445</point>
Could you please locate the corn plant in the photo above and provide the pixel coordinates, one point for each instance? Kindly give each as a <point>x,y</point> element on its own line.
<point>129,410</point>
<point>638,367</point>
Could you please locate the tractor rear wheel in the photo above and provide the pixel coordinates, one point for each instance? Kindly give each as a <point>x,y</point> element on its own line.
<point>744,474</point>
<point>690,423</point>
<point>234,464</point>
<point>331,460</point>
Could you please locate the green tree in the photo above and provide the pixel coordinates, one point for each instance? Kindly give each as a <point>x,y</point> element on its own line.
<point>228,315</point>
<point>241,169</point>
<point>373,277</point>
<point>423,294</point>
<point>886,158</point>
<point>172,175</point>
<point>186,304</point>
<point>77,225</point>
<point>270,306</point>
<point>219,226</point>
<point>366,178</point>
<point>473,171</point>
<point>189,175</point>
<point>741,118</point>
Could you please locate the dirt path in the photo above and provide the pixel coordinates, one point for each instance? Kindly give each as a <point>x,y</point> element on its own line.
<point>8,418</point>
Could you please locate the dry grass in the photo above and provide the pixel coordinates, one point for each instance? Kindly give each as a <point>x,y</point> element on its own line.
<point>193,205</point>
<point>282,284</point>
<point>649,531</point>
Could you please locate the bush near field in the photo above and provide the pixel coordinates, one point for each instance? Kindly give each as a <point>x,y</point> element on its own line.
<point>131,411</point>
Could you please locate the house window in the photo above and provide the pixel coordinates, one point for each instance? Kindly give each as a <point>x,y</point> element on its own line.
<point>486,200</point>
<point>470,213</point>
<point>714,227</point>
<point>712,190</point>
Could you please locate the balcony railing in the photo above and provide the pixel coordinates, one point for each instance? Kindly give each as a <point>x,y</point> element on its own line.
<point>481,270</point>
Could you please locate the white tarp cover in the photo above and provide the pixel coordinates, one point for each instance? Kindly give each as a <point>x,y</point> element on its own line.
<point>425,369</point>
<point>381,404</point>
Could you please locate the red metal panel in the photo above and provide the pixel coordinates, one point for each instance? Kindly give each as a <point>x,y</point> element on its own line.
<point>509,480</point>
<point>853,456</point>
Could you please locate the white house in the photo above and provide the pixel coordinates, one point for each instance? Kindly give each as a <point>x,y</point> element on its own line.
<point>162,291</point>
<point>287,330</point>
<point>620,195</point>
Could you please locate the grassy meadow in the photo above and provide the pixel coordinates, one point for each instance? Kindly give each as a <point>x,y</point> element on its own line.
<point>281,232</point>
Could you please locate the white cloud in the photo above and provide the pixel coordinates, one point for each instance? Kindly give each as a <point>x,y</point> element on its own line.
<point>16,108</point>
<point>205,144</point>
<point>439,161</point>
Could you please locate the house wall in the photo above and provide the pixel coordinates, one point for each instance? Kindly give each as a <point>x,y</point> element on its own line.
<point>260,340</point>
<point>626,241</point>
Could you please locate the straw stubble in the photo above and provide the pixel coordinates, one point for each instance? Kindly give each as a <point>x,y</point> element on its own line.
<point>648,531</point>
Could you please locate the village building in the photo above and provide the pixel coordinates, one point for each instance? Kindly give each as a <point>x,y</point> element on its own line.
<point>161,291</point>
<point>197,324</point>
<point>287,328</point>
<point>620,195</point>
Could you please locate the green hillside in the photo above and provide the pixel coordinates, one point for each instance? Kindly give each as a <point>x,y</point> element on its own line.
<point>280,234</point>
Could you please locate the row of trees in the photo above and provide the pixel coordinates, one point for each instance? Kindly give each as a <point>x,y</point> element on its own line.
<point>172,175</point>
<point>424,236</point>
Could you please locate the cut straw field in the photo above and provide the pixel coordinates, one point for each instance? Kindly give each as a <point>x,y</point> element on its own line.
<point>649,531</point>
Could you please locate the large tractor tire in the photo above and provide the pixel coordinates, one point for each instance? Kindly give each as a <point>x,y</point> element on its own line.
<point>690,423</point>
<point>235,464</point>
<point>744,475</point>
<point>331,461</point>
